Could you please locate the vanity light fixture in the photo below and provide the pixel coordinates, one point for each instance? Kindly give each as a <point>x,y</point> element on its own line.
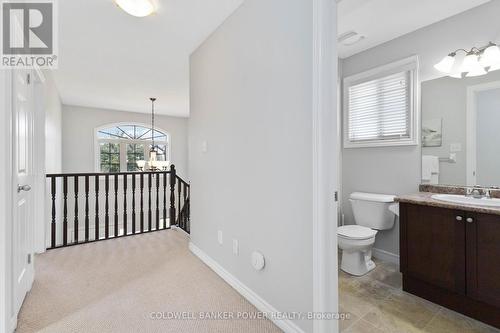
<point>477,62</point>
<point>138,8</point>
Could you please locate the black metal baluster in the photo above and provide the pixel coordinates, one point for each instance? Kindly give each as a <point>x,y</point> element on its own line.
<point>172,194</point>
<point>53,224</point>
<point>75,231</point>
<point>125,222</point>
<point>150,215</point>
<point>185,207</point>
<point>157,201</point>
<point>87,208</point>
<point>116,205</point>
<point>164,200</point>
<point>142,202</point>
<point>106,216</point>
<point>179,199</point>
<point>96,207</point>
<point>65,210</point>
<point>133,203</point>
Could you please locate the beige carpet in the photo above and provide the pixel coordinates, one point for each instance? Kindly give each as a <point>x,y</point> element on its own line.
<point>115,285</point>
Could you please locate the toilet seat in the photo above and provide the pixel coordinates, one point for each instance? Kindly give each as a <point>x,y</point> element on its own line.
<point>356,232</point>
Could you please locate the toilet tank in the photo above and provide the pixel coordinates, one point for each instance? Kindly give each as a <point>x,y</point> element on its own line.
<point>372,210</point>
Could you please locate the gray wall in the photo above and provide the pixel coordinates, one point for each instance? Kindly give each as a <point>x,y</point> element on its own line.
<point>396,170</point>
<point>79,124</point>
<point>446,98</point>
<point>251,99</point>
<point>488,137</point>
<point>53,126</point>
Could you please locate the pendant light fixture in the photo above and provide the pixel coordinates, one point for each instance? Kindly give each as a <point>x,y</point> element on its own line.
<point>153,164</point>
<point>477,62</point>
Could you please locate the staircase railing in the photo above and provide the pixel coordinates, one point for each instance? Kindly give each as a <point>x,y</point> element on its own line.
<point>90,207</point>
<point>183,220</point>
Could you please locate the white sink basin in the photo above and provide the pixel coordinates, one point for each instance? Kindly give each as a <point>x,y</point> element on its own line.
<point>461,199</point>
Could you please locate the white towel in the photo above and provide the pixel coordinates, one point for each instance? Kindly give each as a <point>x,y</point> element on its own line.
<point>430,169</point>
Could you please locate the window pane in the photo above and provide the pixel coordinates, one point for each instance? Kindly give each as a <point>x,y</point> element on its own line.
<point>135,152</point>
<point>380,109</point>
<point>110,157</point>
<point>131,132</point>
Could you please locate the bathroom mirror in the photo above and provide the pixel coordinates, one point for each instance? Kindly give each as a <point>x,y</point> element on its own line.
<point>461,130</point>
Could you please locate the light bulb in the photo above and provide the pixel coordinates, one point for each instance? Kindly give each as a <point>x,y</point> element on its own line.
<point>490,56</point>
<point>138,8</point>
<point>446,64</point>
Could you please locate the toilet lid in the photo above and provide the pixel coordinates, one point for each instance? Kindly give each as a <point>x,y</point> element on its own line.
<point>356,232</point>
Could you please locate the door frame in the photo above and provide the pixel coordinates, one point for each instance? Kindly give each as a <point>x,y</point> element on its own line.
<point>6,318</point>
<point>471,125</point>
<point>325,164</point>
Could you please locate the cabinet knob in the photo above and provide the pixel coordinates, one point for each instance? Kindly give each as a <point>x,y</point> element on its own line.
<point>470,220</point>
<point>459,218</point>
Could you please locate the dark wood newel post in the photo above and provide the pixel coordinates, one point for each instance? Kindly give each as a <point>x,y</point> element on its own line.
<point>173,180</point>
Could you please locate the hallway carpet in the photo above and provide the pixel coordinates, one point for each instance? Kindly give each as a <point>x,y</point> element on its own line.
<point>119,285</point>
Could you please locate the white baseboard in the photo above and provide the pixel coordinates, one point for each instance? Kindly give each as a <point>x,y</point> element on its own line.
<point>385,256</point>
<point>176,228</point>
<point>13,324</point>
<point>287,326</point>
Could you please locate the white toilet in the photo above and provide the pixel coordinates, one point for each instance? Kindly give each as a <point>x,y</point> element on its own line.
<point>371,213</point>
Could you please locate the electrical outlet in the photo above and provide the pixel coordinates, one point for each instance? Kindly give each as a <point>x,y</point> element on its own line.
<point>219,237</point>
<point>204,147</point>
<point>235,247</point>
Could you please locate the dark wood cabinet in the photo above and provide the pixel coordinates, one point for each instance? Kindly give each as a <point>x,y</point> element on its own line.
<point>483,258</point>
<point>452,257</point>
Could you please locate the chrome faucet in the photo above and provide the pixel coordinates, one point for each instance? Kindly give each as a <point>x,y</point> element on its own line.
<point>478,192</point>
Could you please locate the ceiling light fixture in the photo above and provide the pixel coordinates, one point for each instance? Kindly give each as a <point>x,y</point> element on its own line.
<point>477,62</point>
<point>138,8</point>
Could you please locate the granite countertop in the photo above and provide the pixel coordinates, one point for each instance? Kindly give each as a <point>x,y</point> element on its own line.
<point>425,199</point>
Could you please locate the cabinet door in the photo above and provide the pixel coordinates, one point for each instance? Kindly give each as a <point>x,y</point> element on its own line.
<point>483,258</point>
<point>433,246</point>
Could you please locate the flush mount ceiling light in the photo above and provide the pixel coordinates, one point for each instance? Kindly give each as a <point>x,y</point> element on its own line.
<point>138,8</point>
<point>477,62</point>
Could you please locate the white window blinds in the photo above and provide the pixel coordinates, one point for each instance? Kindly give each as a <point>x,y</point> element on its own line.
<point>380,109</point>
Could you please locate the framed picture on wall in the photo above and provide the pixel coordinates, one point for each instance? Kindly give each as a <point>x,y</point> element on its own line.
<point>432,132</point>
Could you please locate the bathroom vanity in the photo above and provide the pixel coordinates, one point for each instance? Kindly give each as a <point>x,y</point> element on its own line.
<point>450,254</point>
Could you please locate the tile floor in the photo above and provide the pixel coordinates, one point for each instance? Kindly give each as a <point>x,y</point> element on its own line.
<point>376,304</point>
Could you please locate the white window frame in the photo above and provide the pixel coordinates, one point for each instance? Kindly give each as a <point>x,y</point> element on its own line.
<point>123,144</point>
<point>410,64</point>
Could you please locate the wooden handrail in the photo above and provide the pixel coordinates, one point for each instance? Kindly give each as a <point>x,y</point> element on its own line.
<point>50,175</point>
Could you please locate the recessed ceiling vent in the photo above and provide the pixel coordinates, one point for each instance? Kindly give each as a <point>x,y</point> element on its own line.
<point>350,38</point>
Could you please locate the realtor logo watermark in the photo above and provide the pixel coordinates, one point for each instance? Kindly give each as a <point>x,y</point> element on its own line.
<point>29,34</point>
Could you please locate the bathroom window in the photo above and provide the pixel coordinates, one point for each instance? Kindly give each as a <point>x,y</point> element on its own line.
<point>380,106</point>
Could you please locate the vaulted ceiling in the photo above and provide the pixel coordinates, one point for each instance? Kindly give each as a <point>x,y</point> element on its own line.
<point>109,59</point>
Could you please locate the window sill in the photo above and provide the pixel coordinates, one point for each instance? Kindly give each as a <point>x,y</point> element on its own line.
<point>379,144</point>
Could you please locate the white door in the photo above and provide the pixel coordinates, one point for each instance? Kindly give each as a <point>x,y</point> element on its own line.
<point>23,212</point>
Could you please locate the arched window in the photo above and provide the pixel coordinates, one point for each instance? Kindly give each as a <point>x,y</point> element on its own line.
<point>120,146</point>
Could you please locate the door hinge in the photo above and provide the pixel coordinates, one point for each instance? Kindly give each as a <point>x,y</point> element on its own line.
<point>28,78</point>
<point>336,196</point>
<point>29,258</point>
